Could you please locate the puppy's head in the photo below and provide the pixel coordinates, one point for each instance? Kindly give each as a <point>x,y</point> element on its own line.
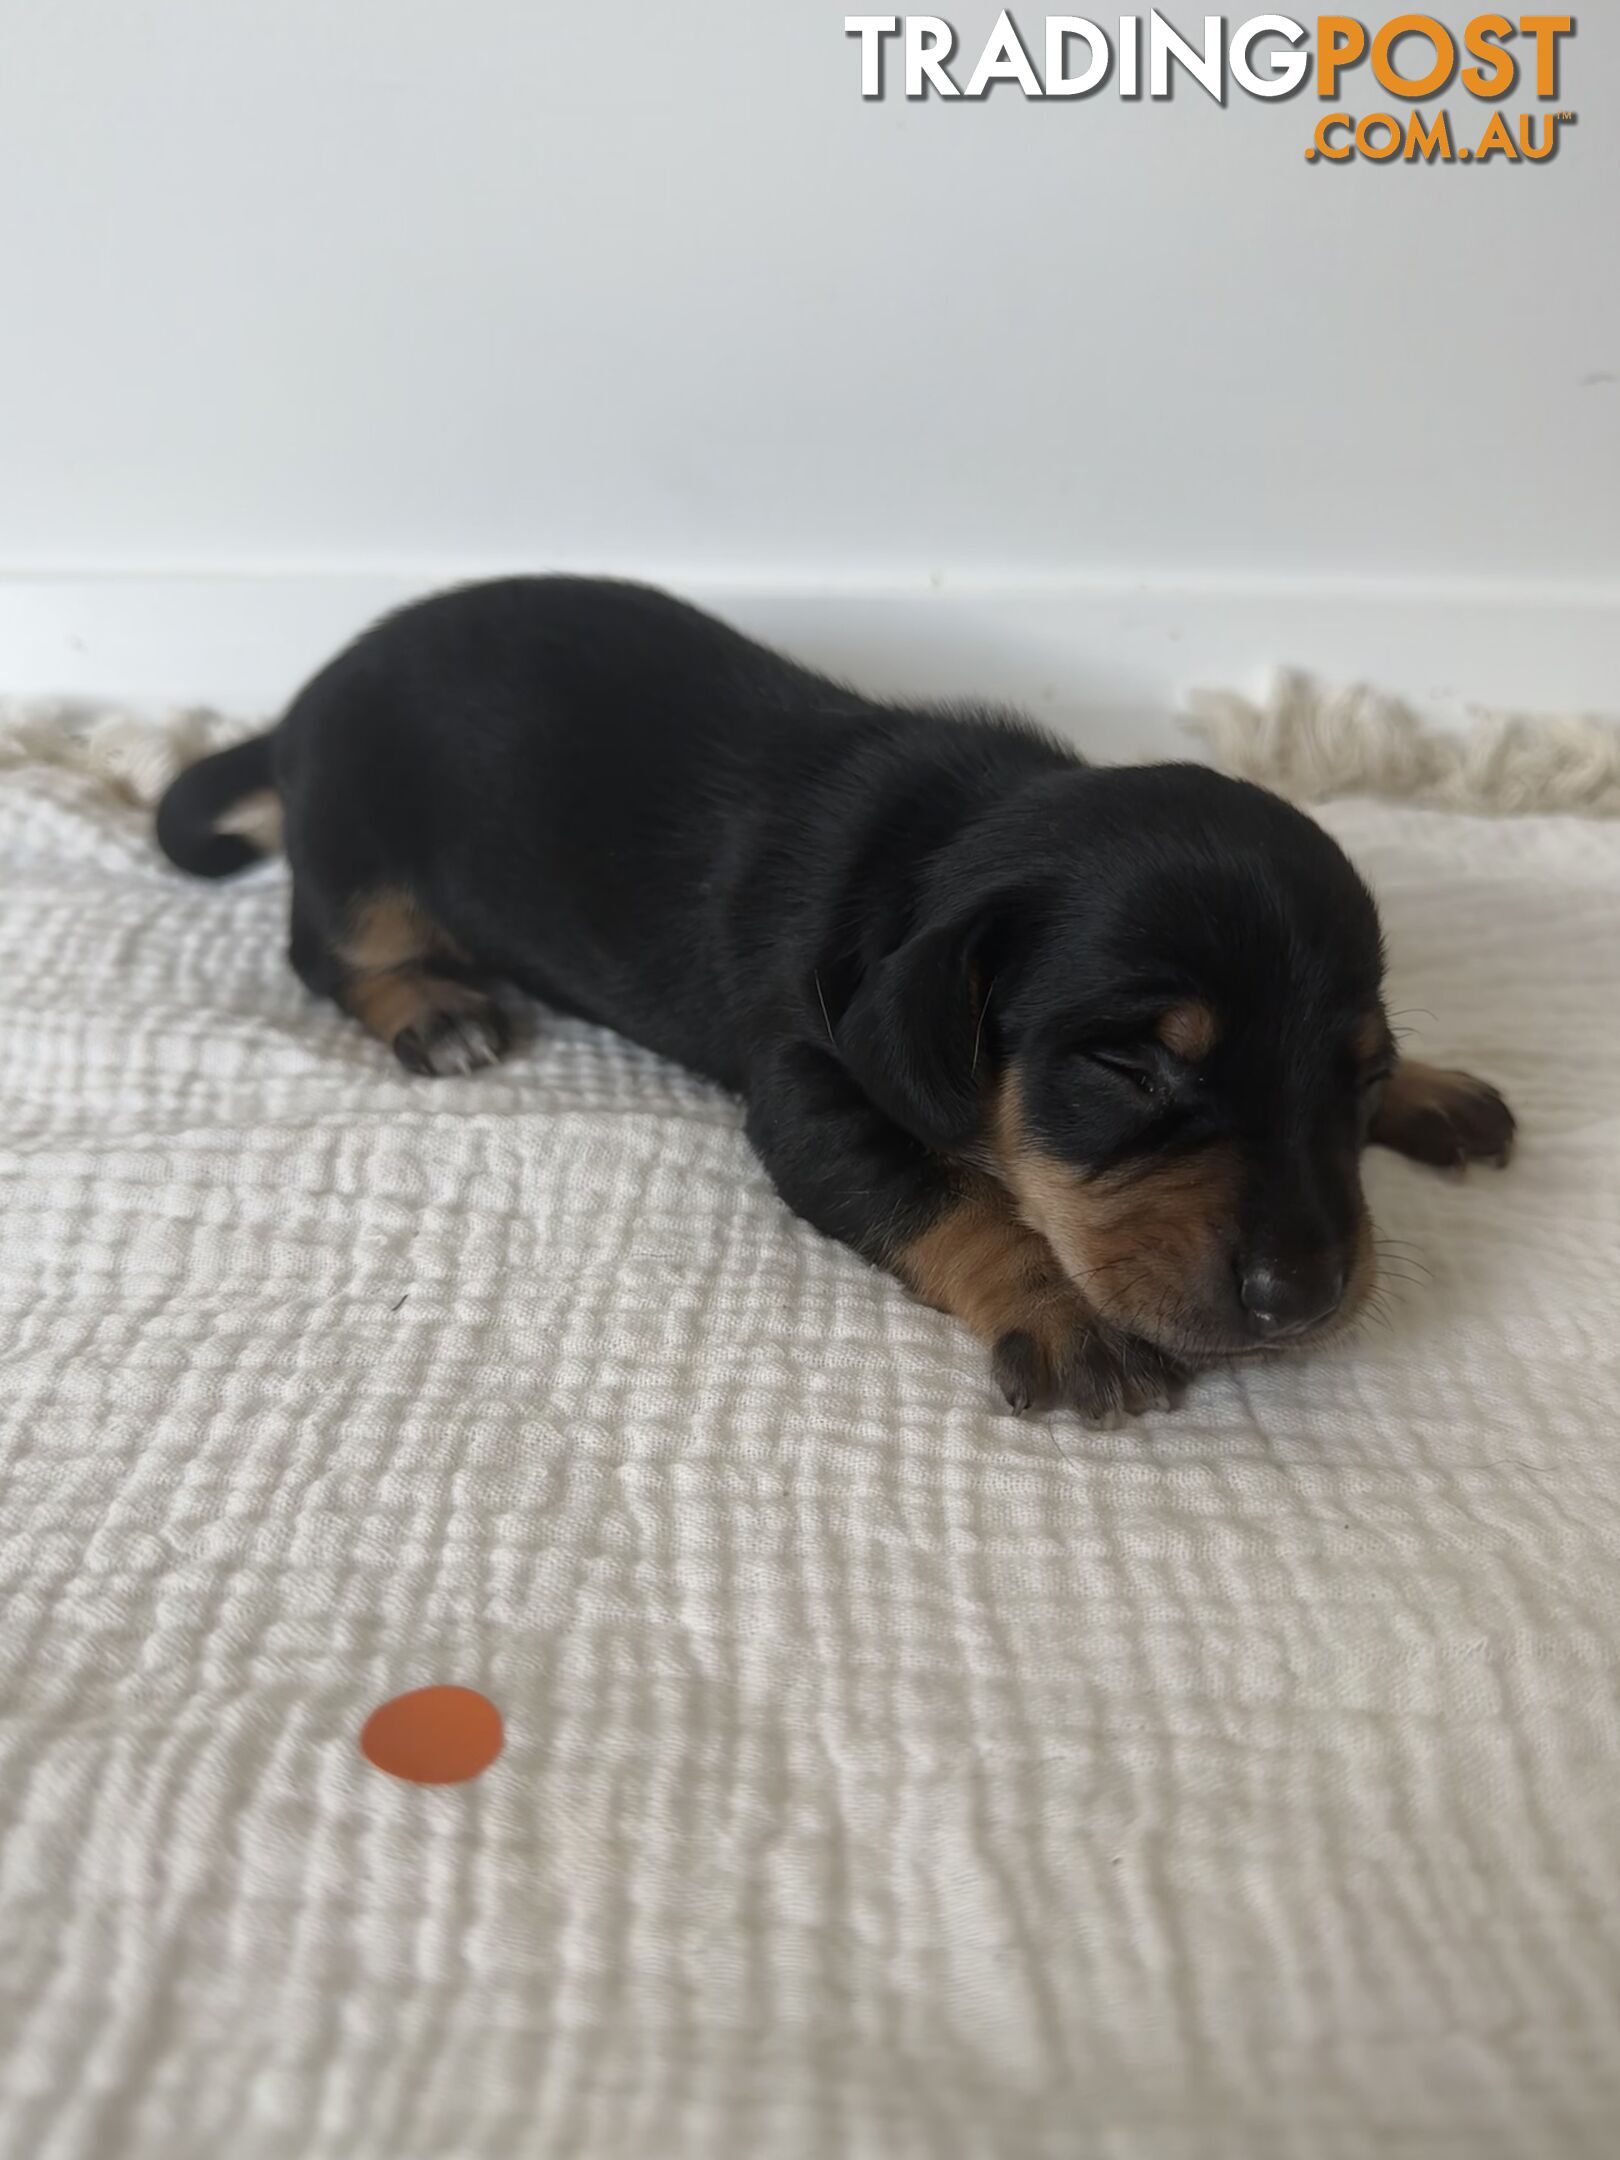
<point>1150,1000</point>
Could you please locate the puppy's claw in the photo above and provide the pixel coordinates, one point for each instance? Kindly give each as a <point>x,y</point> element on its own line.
<point>1103,1378</point>
<point>1481,1126</point>
<point>454,1042</point>
<point>1023,1372</point>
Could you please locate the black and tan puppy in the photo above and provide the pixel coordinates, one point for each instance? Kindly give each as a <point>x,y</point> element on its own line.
<point>1087,1058</point>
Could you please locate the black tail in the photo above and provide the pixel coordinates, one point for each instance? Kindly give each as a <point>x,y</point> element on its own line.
<point>188,817</point>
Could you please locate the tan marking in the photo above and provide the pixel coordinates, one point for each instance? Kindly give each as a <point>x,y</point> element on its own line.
<point>1414,1087</point>
<point>1189,1030</point>
<point>408,997</point>
<point>980,1263</point>
<point>1141,1245</point>
<point>257,818</point>
<point>388,930</point>
<point>1371,1038</point>
<point>391,983</point>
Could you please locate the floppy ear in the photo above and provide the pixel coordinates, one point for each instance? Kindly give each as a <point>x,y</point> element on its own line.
<point>915,1036</point>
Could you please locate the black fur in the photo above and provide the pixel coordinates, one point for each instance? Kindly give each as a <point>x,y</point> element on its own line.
<point>205,791</point>
<point>854,915</point>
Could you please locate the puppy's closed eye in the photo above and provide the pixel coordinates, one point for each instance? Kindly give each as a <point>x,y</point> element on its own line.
<point>1143,1072</point>
<point>1157,1063</point>
<point>1137,1065</point>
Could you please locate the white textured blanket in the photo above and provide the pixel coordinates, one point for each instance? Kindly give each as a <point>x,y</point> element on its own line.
<point>885,1777</point>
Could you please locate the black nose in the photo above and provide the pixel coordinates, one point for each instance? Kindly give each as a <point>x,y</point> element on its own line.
<point>1286,1301</point>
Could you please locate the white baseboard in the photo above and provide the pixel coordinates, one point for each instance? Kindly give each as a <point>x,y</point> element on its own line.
<point>1105,663</point>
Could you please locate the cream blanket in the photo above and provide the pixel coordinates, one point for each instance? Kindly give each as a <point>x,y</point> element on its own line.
<point>885,1777</point>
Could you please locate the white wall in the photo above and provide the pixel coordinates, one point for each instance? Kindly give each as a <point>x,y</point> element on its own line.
<point>326,301</point>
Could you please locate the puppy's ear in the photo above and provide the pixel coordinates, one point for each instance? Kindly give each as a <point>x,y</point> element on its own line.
<point>916,1037</point>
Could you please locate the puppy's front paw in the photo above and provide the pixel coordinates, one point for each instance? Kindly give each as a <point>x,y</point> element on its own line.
<point>454,1038</point>
<point>1105,1378</point>
<point>1447,1119</point>
<point>1482,1127</point>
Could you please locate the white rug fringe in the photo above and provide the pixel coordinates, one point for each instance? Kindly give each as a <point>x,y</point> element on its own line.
<point>1305,741</point>
<point>1311,743</point>
<point>132,754</point>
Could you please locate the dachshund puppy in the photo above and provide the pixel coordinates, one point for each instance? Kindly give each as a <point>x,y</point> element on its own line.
<point>1087,1058</point>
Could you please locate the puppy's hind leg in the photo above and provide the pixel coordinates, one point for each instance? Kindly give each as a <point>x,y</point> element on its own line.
<point>407,982</point>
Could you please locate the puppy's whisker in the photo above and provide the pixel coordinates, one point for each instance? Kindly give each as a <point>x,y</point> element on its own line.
<point>822,1002</point>
<point>1377,1309</point>
<point>1107,1267</point>
<point>978,1033</point>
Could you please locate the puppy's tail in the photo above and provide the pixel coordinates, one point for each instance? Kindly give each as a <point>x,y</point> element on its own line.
<point>223,813</point>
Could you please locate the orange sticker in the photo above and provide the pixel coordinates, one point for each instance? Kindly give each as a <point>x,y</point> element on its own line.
<point>434,1735</point>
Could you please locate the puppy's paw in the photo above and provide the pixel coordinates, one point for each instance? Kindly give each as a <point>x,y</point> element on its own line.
<point>1446,1119</point>
<point>1481,1126</point>
<point>1105,1378</point>
<point>461,1036</point>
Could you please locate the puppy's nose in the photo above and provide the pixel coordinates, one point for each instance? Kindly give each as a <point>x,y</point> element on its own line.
<point>1286,1301</point>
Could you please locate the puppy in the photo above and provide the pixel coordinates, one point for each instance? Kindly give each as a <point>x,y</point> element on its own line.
<point>1087,1058</point>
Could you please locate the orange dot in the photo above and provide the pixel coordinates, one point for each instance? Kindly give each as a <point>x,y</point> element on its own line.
<point>433,1735</point>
